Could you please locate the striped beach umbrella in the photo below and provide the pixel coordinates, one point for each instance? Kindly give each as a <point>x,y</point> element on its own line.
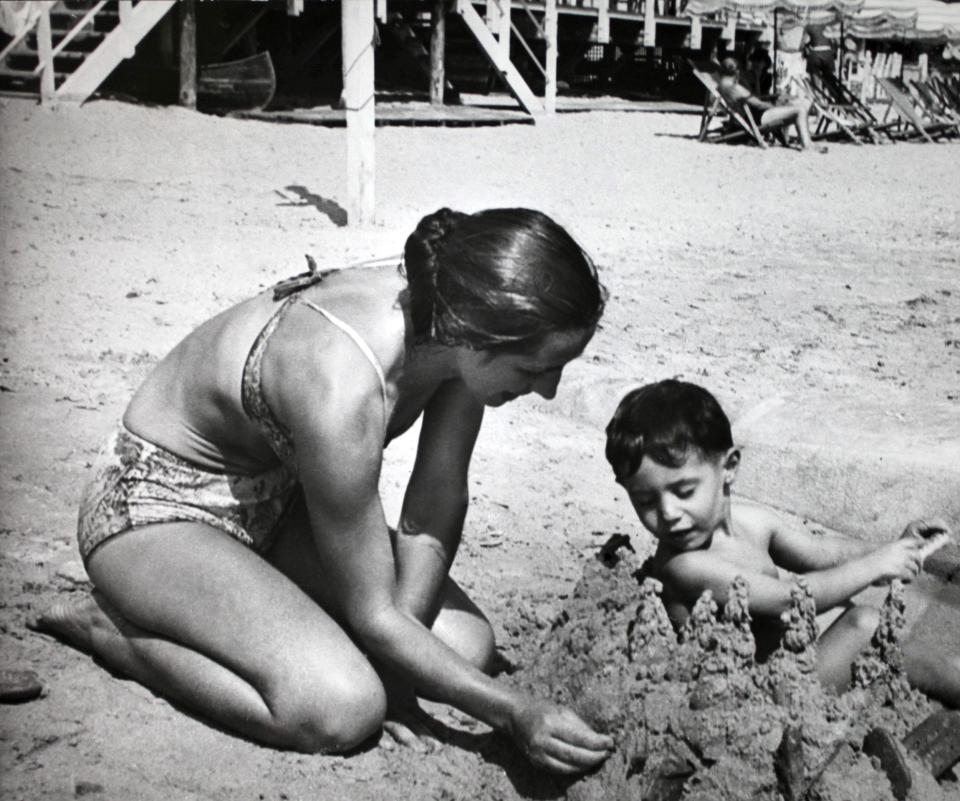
<point>937,21</point>
<point>761,8</point>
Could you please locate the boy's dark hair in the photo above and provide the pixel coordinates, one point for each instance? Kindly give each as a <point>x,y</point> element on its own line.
<point>663,421</point>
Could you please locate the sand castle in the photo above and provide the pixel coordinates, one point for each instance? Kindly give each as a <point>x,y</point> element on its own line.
<point>696,718</point>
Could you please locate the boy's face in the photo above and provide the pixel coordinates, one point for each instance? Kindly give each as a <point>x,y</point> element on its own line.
<point>683,506</point>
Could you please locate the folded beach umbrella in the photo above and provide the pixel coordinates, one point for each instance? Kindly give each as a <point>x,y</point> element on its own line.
<point>801,8</point>
<point>925,20</point>
<point>936,21</point>
<point>881,19</point>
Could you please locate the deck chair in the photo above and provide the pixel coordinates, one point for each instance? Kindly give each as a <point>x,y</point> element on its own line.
<point>915,121</point>
<point>929,96</point>
<point>851,108</point>
<point>833,120</point>
<point>947,90</point>
<point>722,121</point>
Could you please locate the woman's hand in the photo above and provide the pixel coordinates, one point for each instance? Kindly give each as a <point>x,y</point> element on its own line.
<point>900,559</point>
<point>555,738</point>
<point>411,727</point>
<point>406,723</point>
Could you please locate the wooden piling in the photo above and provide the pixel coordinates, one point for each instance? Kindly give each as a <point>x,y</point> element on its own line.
<point>358,31</point>
<point>438,46</point>
<point>188,53</point>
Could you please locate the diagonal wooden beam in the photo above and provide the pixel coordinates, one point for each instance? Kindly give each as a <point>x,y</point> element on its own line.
<point>116,46</point>
<point>491,48</point>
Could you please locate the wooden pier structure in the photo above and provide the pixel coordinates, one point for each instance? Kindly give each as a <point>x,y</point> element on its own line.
<point>290,54</point>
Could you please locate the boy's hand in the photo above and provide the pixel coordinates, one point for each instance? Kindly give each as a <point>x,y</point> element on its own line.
<point>924,529</point>
<point>555,738</point>
<point>932,535</point>
<point>900,559</point>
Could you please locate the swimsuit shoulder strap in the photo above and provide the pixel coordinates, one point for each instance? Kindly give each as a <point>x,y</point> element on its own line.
<point>360,343</point>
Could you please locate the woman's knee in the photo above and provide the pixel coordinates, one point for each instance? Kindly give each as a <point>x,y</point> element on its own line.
<point>462,626</point>
<point>479,645</point>
<point>335,715</point>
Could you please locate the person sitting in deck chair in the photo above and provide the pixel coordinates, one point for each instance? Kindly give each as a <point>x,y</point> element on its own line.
<point>768,115</point>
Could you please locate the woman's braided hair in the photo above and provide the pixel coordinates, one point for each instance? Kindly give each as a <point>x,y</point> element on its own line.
<point>499,279</point>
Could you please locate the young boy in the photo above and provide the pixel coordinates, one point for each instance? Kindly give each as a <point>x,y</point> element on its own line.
<point>671,448</point>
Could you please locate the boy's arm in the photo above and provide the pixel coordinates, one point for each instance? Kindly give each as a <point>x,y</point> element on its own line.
<point>687,575</point>
<point>797,549</point>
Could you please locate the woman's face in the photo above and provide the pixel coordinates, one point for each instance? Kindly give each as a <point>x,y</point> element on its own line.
<point>498,378</point>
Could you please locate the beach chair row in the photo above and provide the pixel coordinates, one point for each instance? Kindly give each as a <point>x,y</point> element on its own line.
<point>922,110</point>
<point>928,110</point>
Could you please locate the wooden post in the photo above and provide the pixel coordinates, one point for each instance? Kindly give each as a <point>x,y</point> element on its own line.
<point>503,35</point>
<point>491,15</point>
<point>550,18</point>
<point>381,10</point>
<point>696,32</point>
<point>438,44</point>
<point>603,22</point>
<point>649,23</point>
<point>188,53</point>
<point>729,32</point>
<point>357,28</point>
<point>45,54</point>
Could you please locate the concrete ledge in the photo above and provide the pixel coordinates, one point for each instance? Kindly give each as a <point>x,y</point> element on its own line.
<point>852,466</point>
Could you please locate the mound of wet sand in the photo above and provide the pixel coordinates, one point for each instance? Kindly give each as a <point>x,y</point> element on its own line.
<point>697,718</point>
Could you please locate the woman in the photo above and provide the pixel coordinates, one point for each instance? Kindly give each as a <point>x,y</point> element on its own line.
<point>234,531</point>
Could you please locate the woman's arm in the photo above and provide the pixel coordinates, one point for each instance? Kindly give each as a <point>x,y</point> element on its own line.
<point>435,504</point>
<point>339,440</point>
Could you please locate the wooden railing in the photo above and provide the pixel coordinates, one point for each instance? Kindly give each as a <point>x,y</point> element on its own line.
<point>135,20</point>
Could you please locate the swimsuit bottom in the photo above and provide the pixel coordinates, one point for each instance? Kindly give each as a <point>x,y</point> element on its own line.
<point>137,483</point>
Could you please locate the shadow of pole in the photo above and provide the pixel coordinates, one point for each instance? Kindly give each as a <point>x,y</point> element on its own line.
<point>333,210</point>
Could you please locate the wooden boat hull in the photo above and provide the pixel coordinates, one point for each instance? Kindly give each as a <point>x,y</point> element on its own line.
<point>243,85</point>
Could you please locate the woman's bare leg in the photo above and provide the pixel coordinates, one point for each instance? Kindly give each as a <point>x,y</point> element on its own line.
<point>196,616</point>
<point>459,622</point>
<point>842,643</point>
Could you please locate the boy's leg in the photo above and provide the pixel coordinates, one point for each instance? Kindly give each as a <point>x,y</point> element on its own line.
<point>840,645</point>
<point>932,672</point>
<point>197,616</point>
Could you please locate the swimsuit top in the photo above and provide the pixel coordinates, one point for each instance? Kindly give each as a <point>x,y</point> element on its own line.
<point>251,393</point>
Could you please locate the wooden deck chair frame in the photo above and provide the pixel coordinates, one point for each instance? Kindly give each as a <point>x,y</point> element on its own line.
<point>934,105</point>
<point>949,90</point>
<point>851,105</point>
<point>948,93</point>
<point>906,106</point>
<point>844,125</point>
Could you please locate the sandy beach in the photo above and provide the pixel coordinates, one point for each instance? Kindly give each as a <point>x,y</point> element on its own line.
<point>828,279</point>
